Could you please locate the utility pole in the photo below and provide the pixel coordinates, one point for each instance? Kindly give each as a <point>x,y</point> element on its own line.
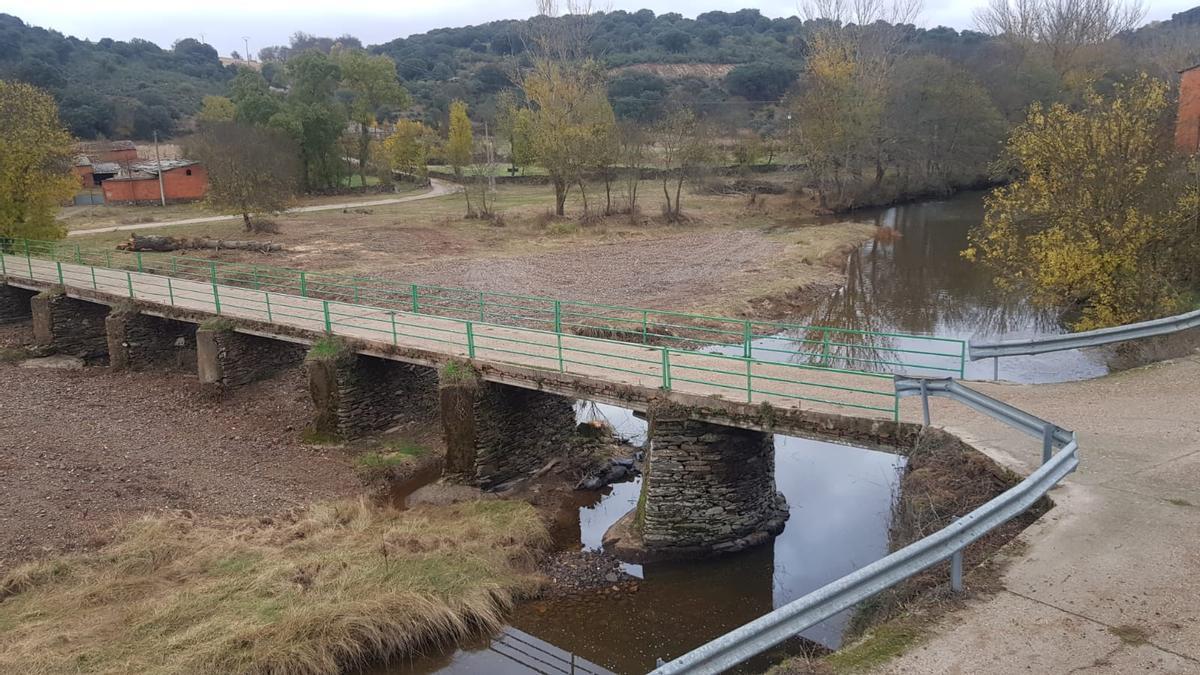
<point>246,43</point>
<point>162,192</point>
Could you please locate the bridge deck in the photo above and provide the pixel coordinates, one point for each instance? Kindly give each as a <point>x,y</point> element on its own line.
<point>751,381</point>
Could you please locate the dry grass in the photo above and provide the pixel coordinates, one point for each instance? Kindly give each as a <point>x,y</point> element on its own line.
<point>333,586</point>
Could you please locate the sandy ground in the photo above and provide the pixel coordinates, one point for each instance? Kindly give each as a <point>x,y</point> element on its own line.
<point>1107,581</point>
<point>81,451</point>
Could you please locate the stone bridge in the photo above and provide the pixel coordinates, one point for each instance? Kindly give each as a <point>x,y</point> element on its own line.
<point>709,477</point>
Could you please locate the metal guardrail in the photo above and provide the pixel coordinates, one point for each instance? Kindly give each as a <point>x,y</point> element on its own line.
<point>948,543</point>
<point>1091,338</point>
<point>845,349</point>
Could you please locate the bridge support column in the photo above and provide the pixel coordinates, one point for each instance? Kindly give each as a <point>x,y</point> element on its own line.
<point>353,394</point>
<point>70,326</point>
<point>708,489</point>
<point>226,359</point>
<point>494,432</point>
<point>139,341</point>
<point>14,303</point>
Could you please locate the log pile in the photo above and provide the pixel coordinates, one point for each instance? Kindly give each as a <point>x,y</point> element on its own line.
<point>139,242</point>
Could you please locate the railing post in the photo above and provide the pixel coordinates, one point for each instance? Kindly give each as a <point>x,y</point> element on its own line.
<point>395,335</point>
<point>825,348</point>
<point>416,303</point>
<point>129,280</point>
<point>481,306</point>
<point>956,571</point>
<point>470,340</point>
<point>303,285</point>
<point>108,259</point>
<point>61,281</point>
<point>170,287</point>
<point>561,366</point>
<point>666,369</point>
<point>212,272</point>
<point>995,368</point>
<point>558,321</point>
<point>216,299</point>
<point>267,299</point>
<point>328,321</point>
<point>139,261</point>
<point>747,347</point>
<point>749,380</point>
<point>254,276</point>
<point>1047,443</point>
<point>95,287</point>
<point>28,260</point>
<point>925,400</point>
<point>645,321</point>
<point>3,269</point>
<point>78,255</point>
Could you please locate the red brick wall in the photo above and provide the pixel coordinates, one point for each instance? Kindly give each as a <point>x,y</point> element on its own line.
<point>1187,125</point>
<point>84,174</point>
<point>177,185</point>
<point>118,156</point>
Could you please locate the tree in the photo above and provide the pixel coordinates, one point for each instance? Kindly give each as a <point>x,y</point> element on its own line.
<point>760,81</point>
<point>253,100</point>
<point>515,123</point>
<point>35,163</point>
<point>685,150</point>
<point>216,109</point>
<point>634,155</point>
<point>313,117</point>
<point>408,148</point>
<point>373,84</point>
<point>1064,28</point>
<point>251,170</point>
<point>1100,223</point>
<point>460,143</point>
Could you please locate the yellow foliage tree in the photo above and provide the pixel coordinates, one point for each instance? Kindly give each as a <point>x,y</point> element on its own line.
<point>1101,222</point>
<point>35,163</point>
<point>460,143</point>
<point>216,109</point>
<point>407,148</point>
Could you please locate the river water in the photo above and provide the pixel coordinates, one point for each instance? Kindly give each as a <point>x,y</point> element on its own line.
<point>841,497</point>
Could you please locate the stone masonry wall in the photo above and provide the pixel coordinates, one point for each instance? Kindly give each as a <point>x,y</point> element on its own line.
<point>14,303</point>
<point>354,394</point>
<point>495,433</point>
<point>138,341</point>
<point>227,359</point>
<point>708,489</point>
<point>72,327</point>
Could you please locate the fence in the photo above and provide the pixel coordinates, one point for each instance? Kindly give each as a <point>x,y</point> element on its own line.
<point>782,364</point>
<point>1091,338</point>
<point>948,543</point>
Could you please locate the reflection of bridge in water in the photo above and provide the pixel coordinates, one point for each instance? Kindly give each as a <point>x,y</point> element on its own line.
<point>512,652</point>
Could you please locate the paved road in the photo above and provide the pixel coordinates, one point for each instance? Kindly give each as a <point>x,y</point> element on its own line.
<point>1119,555</point>
<point>783,385</point>
<point>438,188</point>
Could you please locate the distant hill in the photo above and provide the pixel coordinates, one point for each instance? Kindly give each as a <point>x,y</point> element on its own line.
<point>108,88</point>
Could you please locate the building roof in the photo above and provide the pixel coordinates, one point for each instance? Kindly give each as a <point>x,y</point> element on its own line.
<point>104,146</point>
<point>105,167</point>
<point>149,169</point>
<point>1190,68</point>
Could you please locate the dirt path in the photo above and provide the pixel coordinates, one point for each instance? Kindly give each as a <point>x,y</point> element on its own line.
<point>83,450</point>
<point>1107,581</point>
<point>438,188</point>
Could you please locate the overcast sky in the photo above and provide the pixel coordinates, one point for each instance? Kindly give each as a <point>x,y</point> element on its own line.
<point>223,23</point>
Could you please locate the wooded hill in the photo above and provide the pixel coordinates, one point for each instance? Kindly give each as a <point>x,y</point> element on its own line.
<point>131,89</point>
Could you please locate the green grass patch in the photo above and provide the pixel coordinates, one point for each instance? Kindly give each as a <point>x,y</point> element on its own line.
<point>882,644</point>
<point>1175,501</point>
<point>218,323</point>
<point>456,372</point>
<point>393,454</point>
<point>10,355</point>
<point>326,348</point>
<point>334,584</point>
<point>314,437</point>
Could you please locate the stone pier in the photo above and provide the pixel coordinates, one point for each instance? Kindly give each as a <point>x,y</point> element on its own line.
<point>226,359</point>
<point>354,394</point>
<point>139,341</point>
<point>70,326</point>
<point>708,489</point>
<point>495,432</point>
<point>14,303</point>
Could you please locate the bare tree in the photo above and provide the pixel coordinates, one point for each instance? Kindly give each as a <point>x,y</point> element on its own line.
<point>251,170</point>
<point>1062,27</point>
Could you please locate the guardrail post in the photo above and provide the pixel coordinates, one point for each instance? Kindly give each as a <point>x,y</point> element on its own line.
<point>212,273</point>
<point>749,381</point>
<point>747,347</point>
<point>328,321</point>
<point>1047,443</point>
<point>995,369</point>
<point>481,305</point>
<point>303,285</point>
<point>129,280</point>
<point>170,287</point>
<point>666,368</point>
<point>825,348</point>
<point>216,299</point>
<point>470,340</point>
<point>558,323</point>
<point>95,287</point>
<point>266,298</point>
<point>416,303</point>
<point>956,571</point>
<point>561,367</point>
<point>78,255</point>
<point>28,260</point>
<point>61,282</point>
<point>925,400</point>
<point>108,259</point>
<point>3,270</point>
<point>645,326</point>
<point>395,336</point>
<point>139,261</point>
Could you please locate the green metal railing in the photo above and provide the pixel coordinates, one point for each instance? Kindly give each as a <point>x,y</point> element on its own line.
<point>761,361</point>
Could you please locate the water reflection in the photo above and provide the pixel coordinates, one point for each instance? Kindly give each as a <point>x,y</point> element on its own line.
<point>918,282</point>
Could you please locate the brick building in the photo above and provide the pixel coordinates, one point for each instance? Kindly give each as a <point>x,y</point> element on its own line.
<point>1187,124</point>
<point>183,181</point>
<point>120,152</point>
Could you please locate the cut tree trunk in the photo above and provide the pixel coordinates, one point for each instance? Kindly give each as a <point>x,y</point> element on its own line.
<point>139,242</point>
